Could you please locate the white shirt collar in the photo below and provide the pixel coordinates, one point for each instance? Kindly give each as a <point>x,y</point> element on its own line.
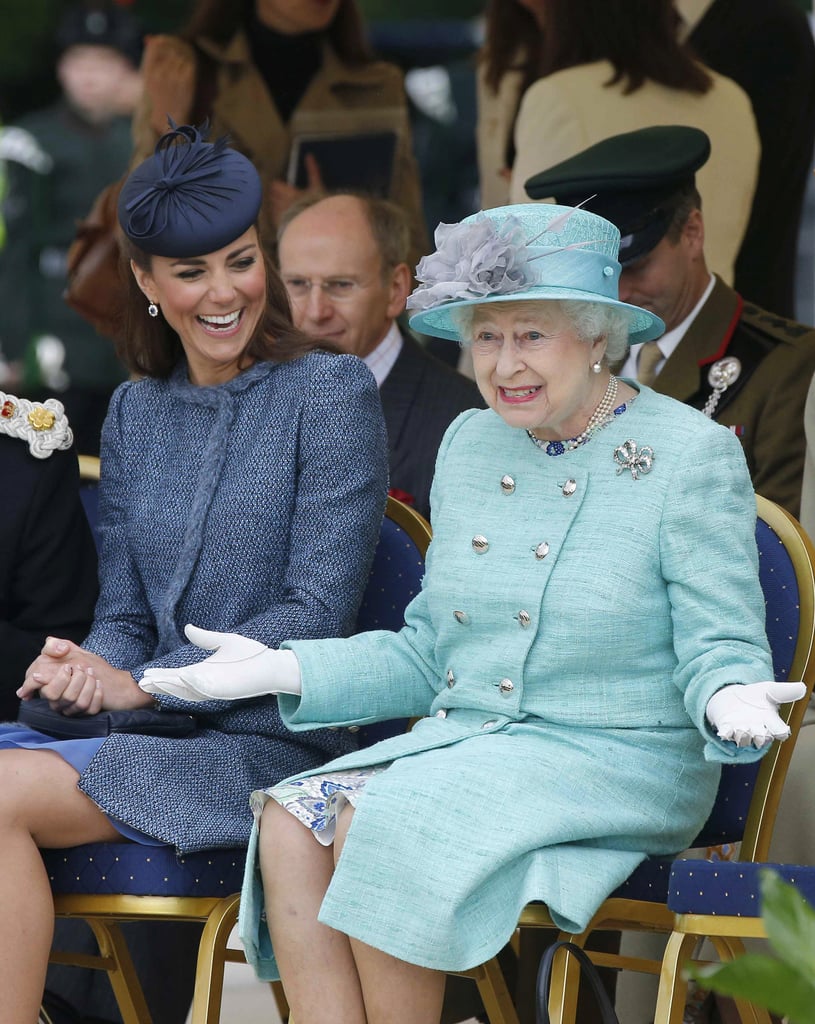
<point>691,12</point>
<point>670,339</point>
<point>380,361</point>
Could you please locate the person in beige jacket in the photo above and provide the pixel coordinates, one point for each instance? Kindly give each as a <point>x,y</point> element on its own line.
<point>613,66</point>
<point>285,69</point>
<point>508,63</point>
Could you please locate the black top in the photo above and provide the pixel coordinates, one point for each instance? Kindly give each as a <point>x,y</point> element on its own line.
<point>287,63</point>
<point>47,560</point>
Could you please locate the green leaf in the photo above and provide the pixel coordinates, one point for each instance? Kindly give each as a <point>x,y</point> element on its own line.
<point>790,923</point>
<point>764,981</point>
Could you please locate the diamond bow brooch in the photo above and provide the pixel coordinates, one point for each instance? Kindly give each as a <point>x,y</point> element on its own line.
<point>638,460</point>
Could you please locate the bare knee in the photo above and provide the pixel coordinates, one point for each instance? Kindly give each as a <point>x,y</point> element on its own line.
<point>39,796</point>
<point>282,833</point>
<point>22,783</point>
<point>344,819</point>
<point>287,850</point>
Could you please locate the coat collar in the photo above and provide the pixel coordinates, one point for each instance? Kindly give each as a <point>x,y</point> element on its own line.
<point>247,112</point>
<point>399,388</point>
<point>335,75</point>
<point>705,341</point>
<point>217,395</point>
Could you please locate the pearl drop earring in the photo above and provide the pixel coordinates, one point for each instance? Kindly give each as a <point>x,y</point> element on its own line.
<point>596,367</point>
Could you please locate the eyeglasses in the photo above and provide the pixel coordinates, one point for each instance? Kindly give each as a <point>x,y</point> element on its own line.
<point>337,288</point>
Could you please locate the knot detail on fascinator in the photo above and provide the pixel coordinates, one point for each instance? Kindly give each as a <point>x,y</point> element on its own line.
<point>191,197</point>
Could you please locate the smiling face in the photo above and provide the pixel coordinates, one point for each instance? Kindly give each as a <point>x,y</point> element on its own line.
<point>212,302</point>
<point>533,368</point>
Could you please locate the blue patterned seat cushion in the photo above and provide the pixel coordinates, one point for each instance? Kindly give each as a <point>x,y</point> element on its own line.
<point>395,579</point>
<point>649,882</point>
<point>727,819</point>
<point>781,599</point>
<point>134,870</point>
<point>729,888</point>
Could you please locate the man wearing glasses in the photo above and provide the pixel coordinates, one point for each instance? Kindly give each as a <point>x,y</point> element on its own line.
<point>342,259</point>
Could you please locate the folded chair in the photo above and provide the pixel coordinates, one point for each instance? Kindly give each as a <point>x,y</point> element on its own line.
<point>107,884</point>
<point>748,797</point>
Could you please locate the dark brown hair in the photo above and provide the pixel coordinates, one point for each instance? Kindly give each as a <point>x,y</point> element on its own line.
<point>149,347</point>
<point>220,19</point>
<point>686,201</point>
<point>513,40</point>
<point>639,37</point>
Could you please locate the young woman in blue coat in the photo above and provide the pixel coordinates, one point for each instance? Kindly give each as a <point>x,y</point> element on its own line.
<point>587,648</point>
<point>244,478</point>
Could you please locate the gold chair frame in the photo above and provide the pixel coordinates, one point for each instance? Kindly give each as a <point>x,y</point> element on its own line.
<point>105,913</point>
<point>726,933</point>
<point>89,468</point>
<point>620,914</point>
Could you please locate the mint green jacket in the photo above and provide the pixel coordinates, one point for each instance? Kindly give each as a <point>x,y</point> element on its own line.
<point>561,663</point>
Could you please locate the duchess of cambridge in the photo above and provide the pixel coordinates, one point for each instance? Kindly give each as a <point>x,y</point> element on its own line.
<point>587,649</point>
<point>243,483</point>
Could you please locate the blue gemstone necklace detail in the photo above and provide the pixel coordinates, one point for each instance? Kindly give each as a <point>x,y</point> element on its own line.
<point>601,417</point>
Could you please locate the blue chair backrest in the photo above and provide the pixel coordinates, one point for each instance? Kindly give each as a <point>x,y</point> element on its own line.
<point>395,579</point>
<point>780,586</point>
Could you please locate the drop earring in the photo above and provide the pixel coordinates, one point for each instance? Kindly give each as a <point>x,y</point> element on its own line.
<point>152,309</point>
<point>596,367</point>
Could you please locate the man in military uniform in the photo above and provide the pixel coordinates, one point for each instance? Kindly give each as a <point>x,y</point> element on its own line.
<point>743,366</point>
<point>56,161</point>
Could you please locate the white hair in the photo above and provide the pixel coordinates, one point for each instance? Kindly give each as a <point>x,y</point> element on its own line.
<point>590,320</point>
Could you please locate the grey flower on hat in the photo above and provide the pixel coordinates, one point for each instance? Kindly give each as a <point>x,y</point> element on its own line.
<point>473,259</point>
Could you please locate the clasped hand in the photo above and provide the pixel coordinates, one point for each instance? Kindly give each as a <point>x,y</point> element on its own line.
<point>78,682</point>
<point>747,715</point>
<point>238,669</point>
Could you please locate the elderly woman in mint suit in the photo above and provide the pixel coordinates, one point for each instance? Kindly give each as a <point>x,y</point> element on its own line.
<point>590,627</point>
<point>244,477</point>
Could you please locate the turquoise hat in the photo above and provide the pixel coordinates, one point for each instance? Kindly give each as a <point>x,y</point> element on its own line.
<point>527,252</point>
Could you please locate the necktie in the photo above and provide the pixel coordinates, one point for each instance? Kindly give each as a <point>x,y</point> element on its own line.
<point>650,355</point>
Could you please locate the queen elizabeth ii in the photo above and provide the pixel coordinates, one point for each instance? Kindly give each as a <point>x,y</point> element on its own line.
<point>588,647</point>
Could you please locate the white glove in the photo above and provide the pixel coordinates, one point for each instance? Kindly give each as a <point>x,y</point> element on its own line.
<point>746,714</point>
<point>239,668</point>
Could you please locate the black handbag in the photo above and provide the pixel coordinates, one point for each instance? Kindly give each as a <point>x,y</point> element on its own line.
<point>37,714</point>
<point>589,972</point>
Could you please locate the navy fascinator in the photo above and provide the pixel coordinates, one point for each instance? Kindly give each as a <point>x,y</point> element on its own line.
<point>191,197</point>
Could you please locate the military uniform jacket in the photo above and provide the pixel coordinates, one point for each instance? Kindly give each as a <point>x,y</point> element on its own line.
<point>764,406</point>
<point>339,98</point>
<point>573,623</point>
<point>255,507</point>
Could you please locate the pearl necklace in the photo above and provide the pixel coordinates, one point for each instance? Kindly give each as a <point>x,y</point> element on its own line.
<point>602,415</point>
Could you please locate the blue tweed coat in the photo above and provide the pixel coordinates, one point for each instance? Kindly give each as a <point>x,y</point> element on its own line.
<point>563,665</point>
<point>253,506</point>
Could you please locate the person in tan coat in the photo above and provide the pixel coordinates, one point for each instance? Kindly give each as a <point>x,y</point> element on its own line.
<point>285,69</point>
